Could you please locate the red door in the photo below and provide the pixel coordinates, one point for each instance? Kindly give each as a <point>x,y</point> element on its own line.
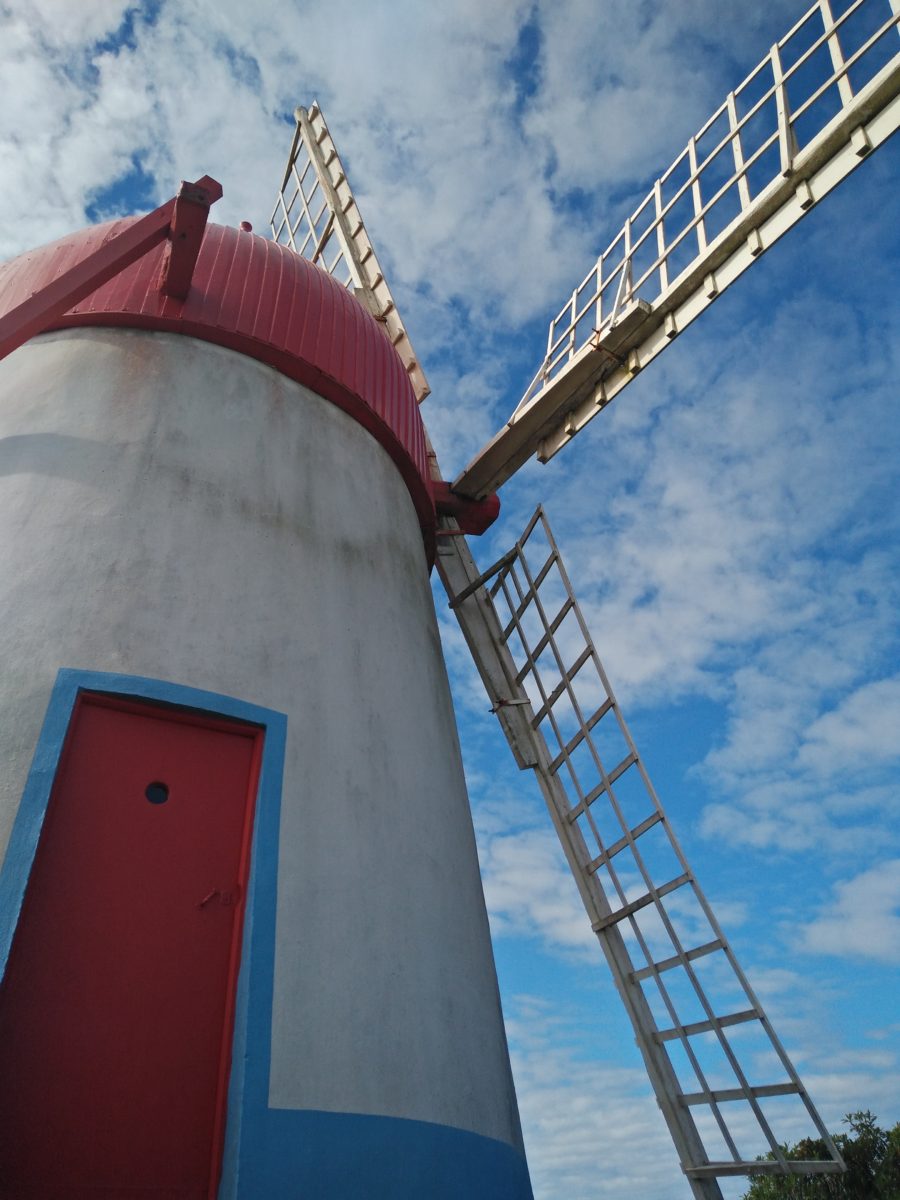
<point>116,1010</point>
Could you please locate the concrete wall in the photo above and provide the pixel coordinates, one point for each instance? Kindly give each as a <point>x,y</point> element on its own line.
<point>172,510</point>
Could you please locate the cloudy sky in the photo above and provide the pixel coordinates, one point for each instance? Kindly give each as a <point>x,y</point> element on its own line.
<point>730,522</point>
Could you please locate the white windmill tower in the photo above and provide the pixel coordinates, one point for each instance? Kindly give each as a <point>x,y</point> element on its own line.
<point>818,104</point>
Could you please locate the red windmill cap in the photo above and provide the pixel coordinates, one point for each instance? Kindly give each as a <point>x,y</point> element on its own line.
<point>253,296</point>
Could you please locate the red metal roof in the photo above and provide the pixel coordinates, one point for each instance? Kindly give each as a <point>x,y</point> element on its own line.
<point>265,301</point>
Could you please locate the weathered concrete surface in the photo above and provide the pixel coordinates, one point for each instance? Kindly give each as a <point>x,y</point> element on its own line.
<point>170,509</point>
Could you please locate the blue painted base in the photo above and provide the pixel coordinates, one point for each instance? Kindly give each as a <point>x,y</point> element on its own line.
<point>339,1156</point>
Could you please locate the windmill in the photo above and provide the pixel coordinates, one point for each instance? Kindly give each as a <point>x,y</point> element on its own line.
<point>243,942</point>
<point>818,104</point>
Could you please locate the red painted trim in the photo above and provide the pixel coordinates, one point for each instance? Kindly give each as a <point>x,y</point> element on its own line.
<point>241,729</point>
<point>473,516</point>
<point>169,712</point>
<point>172,713</point>
<point>234,966</point>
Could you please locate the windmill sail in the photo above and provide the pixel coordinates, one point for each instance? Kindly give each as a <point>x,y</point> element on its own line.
<point>316,214</point>
<point>701,1029</point>
<point>821,101</point>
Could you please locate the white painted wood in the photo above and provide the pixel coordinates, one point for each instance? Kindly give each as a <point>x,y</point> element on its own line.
<point>561,398</point>
<point>837,54</point>
<point>354,257</point>
<point>516,584</point>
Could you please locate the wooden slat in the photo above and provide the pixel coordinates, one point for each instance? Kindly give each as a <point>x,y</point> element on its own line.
<point>791,1166</point>
<point>617,847</point>
<point>547,638</point>
<point>725,1094</point>
<point>561,686</point>
<point>595,793</point>
<point>526,597</point>
<point>582,733</point>
<point>669,1035</point>
<point>634,906</point>
<point>666,964</point>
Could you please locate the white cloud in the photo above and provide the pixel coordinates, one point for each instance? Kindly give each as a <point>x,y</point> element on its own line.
<point>459,172</point>
<point>720,560</point>
<point>862,920</point>
<point>717,544</point>
<point>62,25</point>
<point>865,727</point>
<point>530,891</point>
<point>591,1127</point>
<point>624,117</point>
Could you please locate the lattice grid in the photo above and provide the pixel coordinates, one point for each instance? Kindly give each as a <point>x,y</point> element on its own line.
<point>304,218</point>
<point>810,76</point>
<point>732,1071</point>
<point>316,215</point>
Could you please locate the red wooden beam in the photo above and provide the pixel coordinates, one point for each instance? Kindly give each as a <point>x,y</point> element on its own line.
<point>473,516</point>
<point>186,235</point>
<point>39,311</point>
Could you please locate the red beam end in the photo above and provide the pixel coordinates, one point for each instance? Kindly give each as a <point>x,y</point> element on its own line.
<point>472,516</point>
<point>192,206</point>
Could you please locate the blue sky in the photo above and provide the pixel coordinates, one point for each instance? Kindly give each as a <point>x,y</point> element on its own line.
<point>730,522</point>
